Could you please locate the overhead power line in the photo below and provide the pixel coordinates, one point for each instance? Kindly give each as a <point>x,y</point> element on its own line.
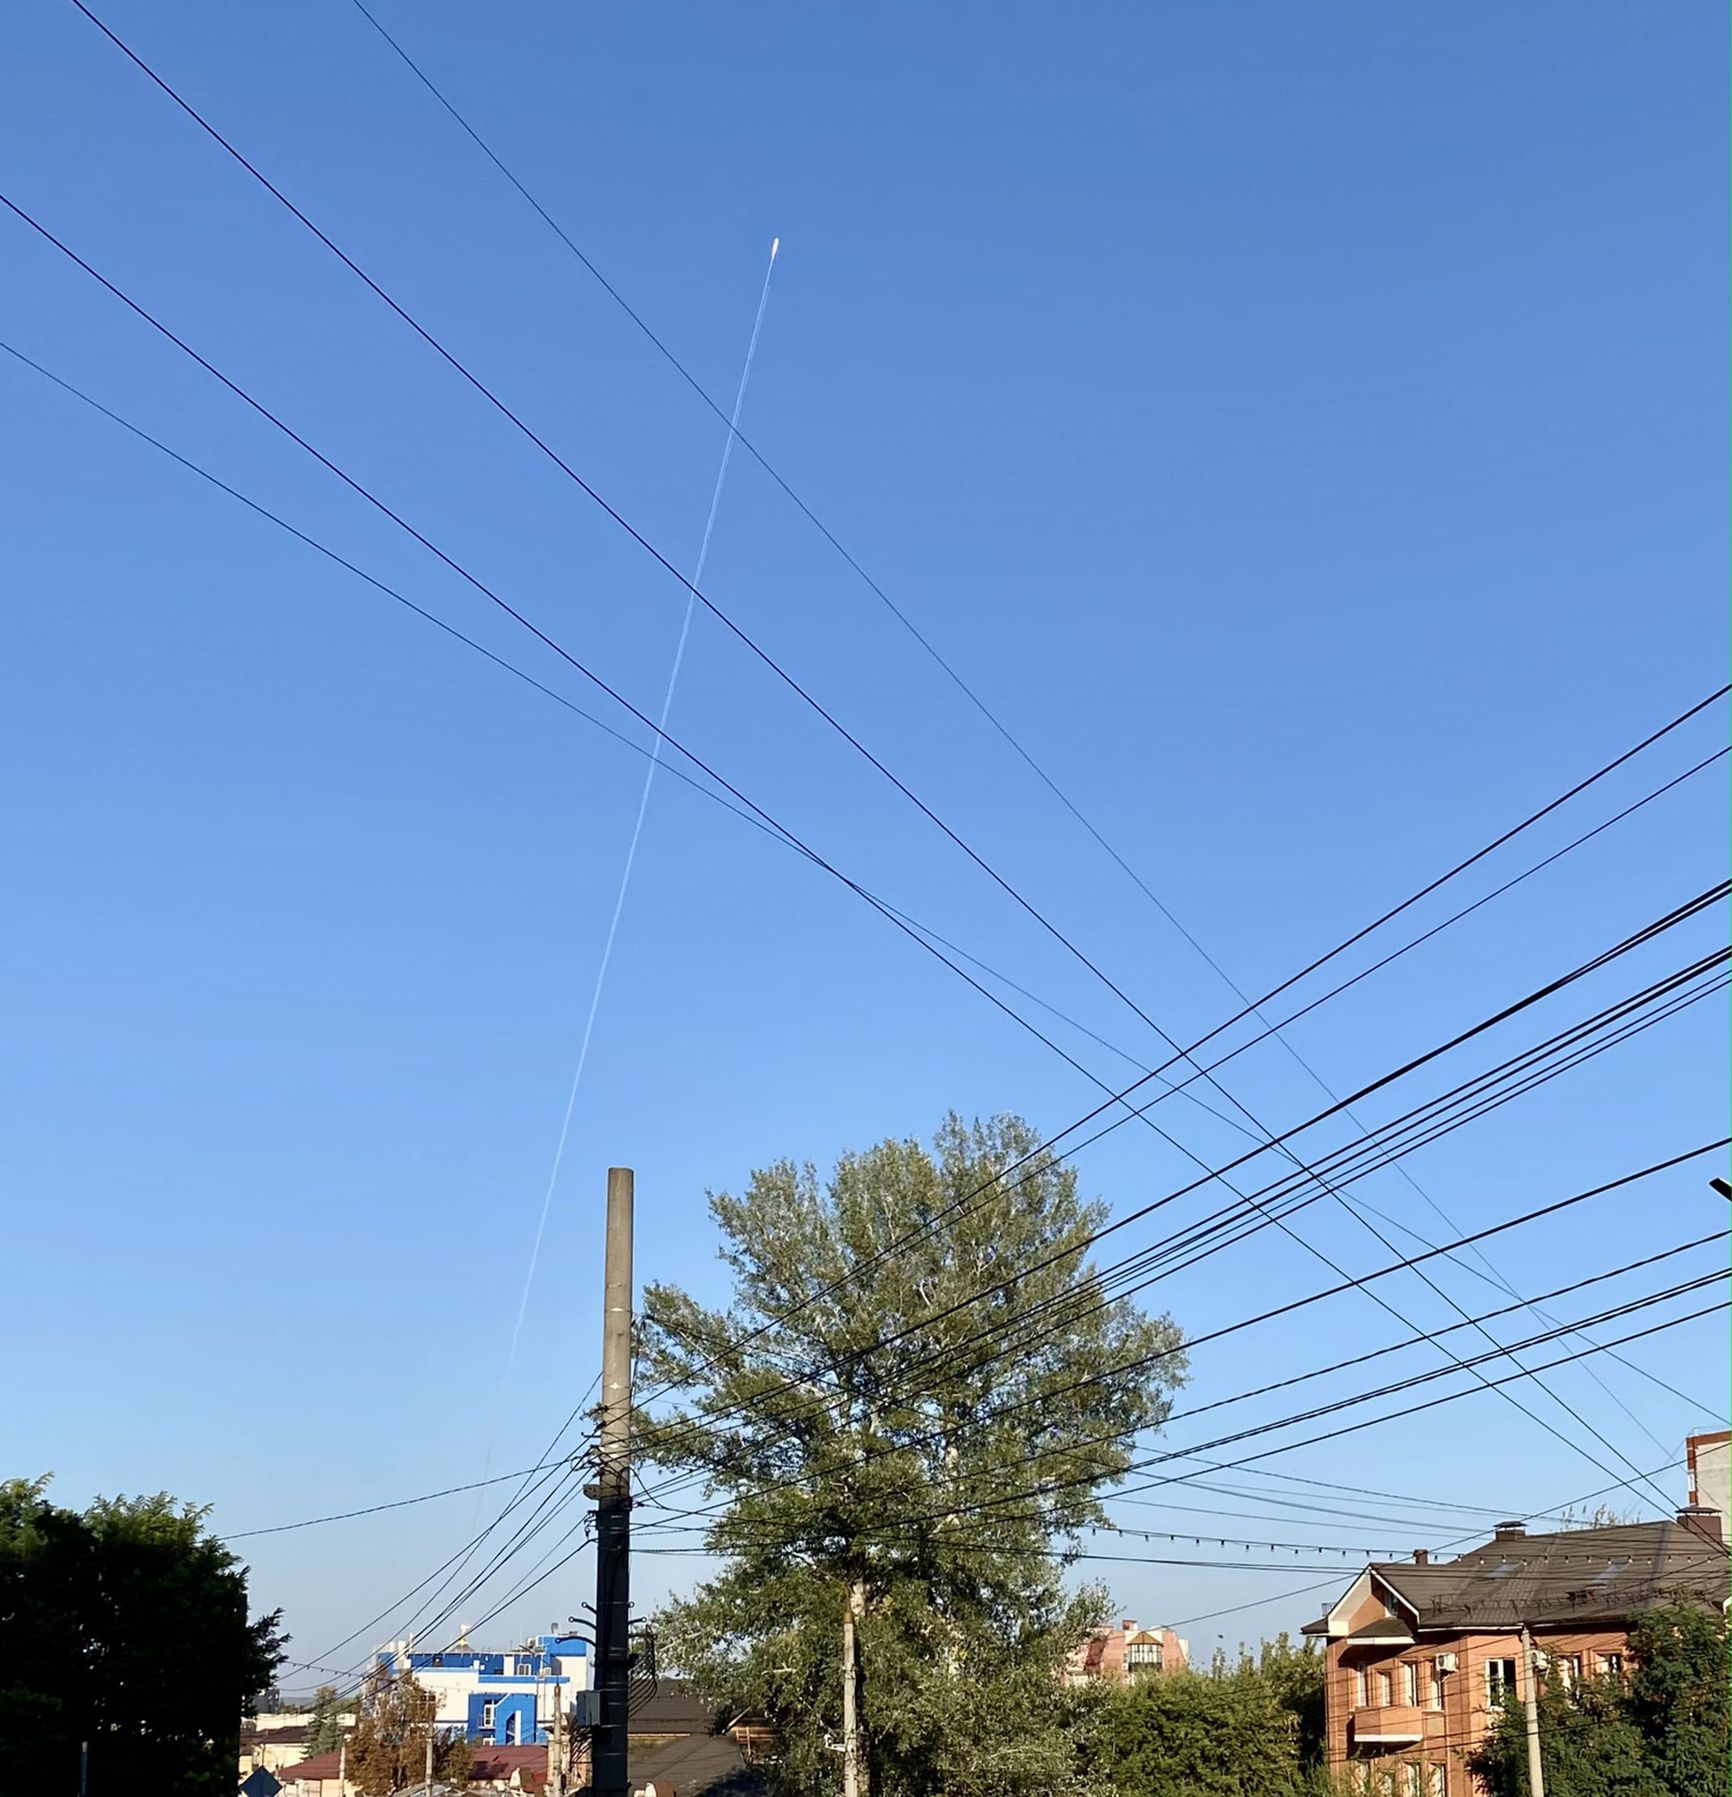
<point>996,1345</point>
<point>743,636</point>
<point>1290,1307</point>
<point>986,1292</point>
<point>1123,1279</point>
<point>380,504</point>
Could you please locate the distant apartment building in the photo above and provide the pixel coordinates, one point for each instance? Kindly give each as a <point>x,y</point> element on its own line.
<point>1710,1461</point>
<point>1419,1654</point>
<point>1114,1655</point>
<point>498,1699</point>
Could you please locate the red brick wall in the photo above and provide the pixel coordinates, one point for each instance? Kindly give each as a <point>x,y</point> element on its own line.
<point>1452,1732</point>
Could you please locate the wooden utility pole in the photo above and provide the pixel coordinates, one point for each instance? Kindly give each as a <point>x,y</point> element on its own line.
<point>613,1500</point>
<point>1531,1703</point>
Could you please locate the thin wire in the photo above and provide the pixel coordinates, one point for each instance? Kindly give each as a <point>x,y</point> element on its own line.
<point>1503,1014</point>
<point>985,710</point>
<point>425,1497</point>
<point>480,586</point>
<point>542,636</point>
<point>1293,1305</point>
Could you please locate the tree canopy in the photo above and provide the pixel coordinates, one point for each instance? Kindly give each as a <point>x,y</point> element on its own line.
<point>124,1625</point>
<point>325,1723</point>
<point>914,1400</point>
<point>388,1750</point>
<point>1252,1730</point>
<point>1663,1733</point>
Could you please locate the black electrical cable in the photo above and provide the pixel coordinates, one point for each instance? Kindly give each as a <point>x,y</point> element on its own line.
<point>504,605</point>
<point>769,661</point>
<point>1291,1306</point>
<point>1648,932</point>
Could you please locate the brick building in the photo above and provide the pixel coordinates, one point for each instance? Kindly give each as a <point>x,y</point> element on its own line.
<point>1115,1655</point>
<point>1419,1653</point>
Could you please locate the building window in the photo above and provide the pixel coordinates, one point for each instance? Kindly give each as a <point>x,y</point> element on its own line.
<point>1434,1780</point>
<point>528,1665</point>
<point>1500,1677</point>
<point>1415,1780</point>
<point>1569,1667</point>
<point>489,1710</point>
<point>1385,1687</point>
<point>1612,1665</point>
<point>1410,1684</point>
<point>1434,1688</point>
<point>1143,1654</point>
<point>1361,1698</point>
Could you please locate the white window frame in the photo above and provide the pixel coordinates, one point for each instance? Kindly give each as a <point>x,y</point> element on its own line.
<point>1361,1689</point>
<point>1410,1686</point>
<point>489,1713</point>
<point>1495,1690</point>
<point>1434,1687</point>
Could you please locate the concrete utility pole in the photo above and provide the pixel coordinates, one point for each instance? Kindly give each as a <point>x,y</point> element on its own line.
<point>1531,1703</point>
<point>429,1767</point>
<point>556,1744</point>
<point>613,1500</point>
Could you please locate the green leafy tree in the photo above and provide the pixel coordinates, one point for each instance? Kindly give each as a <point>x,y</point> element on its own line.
<point>325,1726</point>
<point>908,1496</point>
<point>124,1626</point>
<point>1678,1697</point>
<point>1187,1734</point>
<point>1663,1734</point>
<point>1253,1728</point>
<point>388,1750</point>
<point>1590,1746</point>
<point>1294,1679</point>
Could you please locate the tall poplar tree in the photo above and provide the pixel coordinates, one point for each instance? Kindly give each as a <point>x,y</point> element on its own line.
<point>898,1466</point>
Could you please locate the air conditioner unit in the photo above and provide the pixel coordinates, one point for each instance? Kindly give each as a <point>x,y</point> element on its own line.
<point>1446,1662</point>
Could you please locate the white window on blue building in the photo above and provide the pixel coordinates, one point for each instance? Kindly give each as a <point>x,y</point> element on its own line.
<point>489,1709</point>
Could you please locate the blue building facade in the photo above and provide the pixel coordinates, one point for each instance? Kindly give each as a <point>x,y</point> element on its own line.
<point>505,1699</point>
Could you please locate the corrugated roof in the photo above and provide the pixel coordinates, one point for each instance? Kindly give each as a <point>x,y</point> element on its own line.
<point>1575,1576</point>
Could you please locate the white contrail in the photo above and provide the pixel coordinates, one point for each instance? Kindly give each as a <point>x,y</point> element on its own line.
<point>636,836</point>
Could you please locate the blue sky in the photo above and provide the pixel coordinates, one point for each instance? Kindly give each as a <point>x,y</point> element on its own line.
<point>1304,425</point>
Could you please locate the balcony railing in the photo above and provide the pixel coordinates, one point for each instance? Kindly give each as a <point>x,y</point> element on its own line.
<point>1388,1725</point>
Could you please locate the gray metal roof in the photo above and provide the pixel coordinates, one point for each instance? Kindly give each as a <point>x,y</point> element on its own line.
<point>1575,1576</point>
